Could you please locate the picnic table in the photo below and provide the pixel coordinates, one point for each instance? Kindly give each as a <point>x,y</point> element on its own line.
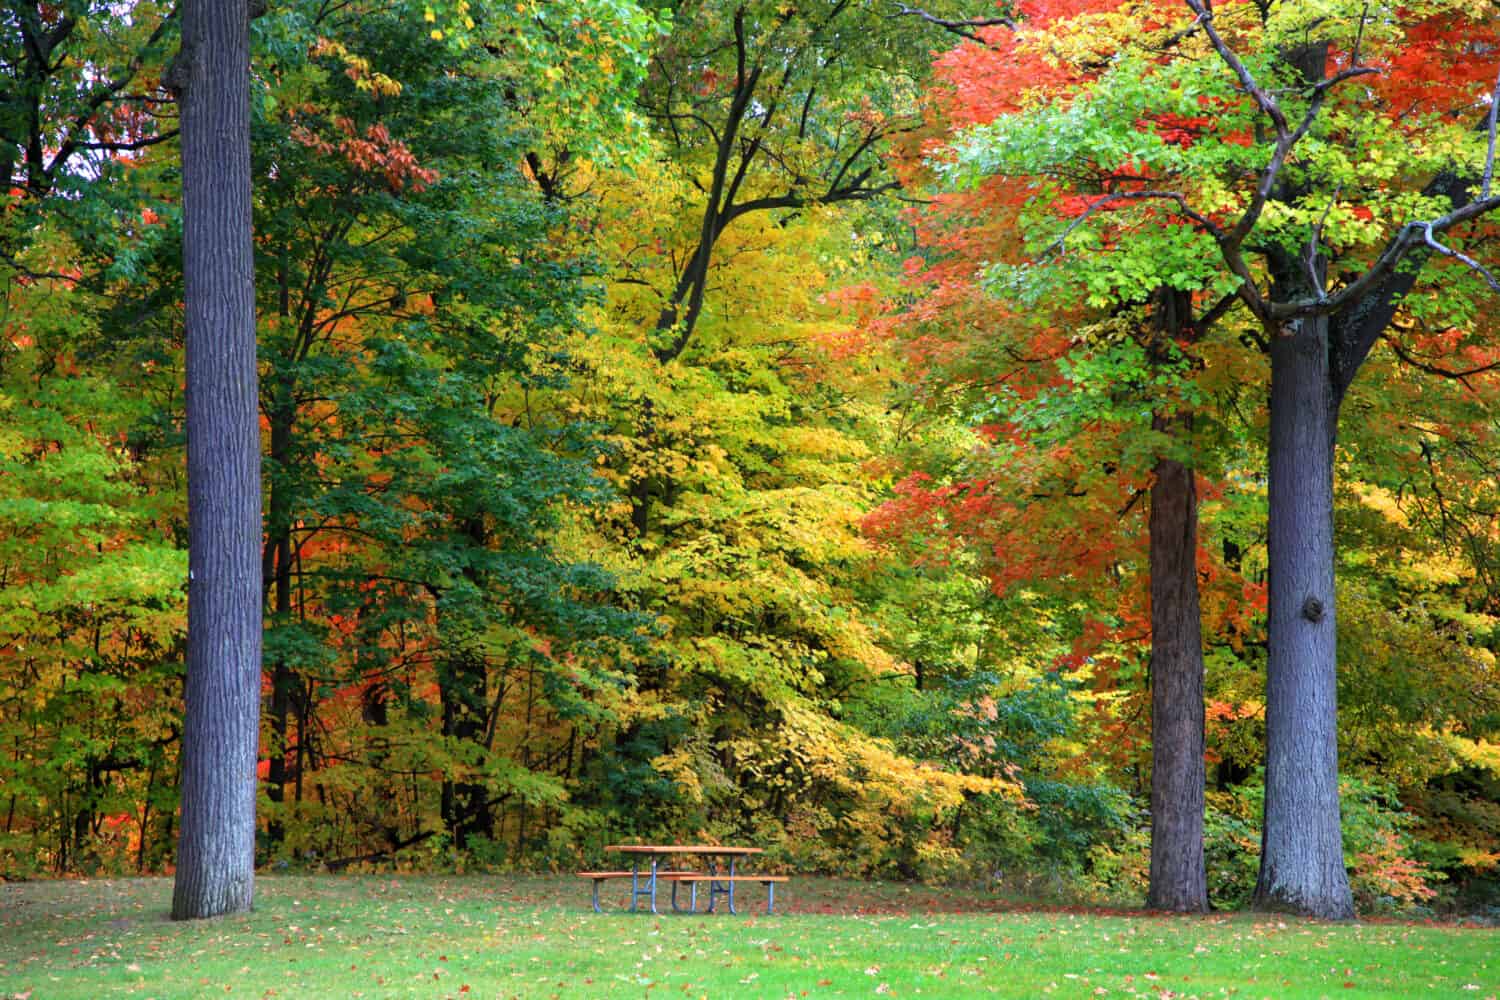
<point>720,884</point>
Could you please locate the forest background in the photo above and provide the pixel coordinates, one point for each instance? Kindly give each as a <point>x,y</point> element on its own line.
<point>682,423</point>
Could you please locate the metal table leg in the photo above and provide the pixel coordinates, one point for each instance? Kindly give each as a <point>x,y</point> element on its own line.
<point>636,891</point>
<point>692,899</point>
<point>717,888</point>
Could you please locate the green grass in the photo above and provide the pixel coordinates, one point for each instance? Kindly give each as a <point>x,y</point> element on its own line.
<point>477,936</point>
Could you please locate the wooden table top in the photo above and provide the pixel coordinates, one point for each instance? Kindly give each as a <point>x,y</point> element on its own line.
<point>682,849</point>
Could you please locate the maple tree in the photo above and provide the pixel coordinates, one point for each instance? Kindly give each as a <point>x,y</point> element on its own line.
<point>368,319</point>
<point>1138,339</point>
<point>1169,174</point>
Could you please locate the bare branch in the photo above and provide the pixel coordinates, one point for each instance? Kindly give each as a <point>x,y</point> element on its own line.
<point>1286,136</point>
<point>125,147</point>
<point>1170,42</point>
<point>964,29</point>
<point>1411,236</point>
<point>1344,74</point>
<point>739,48</point>
<point>30,275</point>
<point>1359,35</point>
<point>1447,251</point>
<point>1216,312</point>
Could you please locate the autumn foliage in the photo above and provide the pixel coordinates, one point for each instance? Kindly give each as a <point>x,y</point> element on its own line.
<point>849,560</point>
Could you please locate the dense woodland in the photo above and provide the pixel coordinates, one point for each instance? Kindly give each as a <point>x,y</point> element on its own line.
<point>822,424</point>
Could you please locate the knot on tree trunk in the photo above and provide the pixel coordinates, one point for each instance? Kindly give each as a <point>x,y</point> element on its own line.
<point>174,79</point>
<point>1312,609</point>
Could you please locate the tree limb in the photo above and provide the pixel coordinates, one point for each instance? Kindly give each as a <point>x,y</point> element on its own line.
<point>964,28</point>
<point>1183,209</point>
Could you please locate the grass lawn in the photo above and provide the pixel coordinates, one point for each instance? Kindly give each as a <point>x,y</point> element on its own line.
<point>479,936</point>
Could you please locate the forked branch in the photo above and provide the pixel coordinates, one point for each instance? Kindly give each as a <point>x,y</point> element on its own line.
<point>1286,136</point>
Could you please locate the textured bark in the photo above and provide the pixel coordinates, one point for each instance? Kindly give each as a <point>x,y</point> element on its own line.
<point>1178,881</point>
<point>1302,858</point>
<point>216,846</point>
<point>1302,853</point>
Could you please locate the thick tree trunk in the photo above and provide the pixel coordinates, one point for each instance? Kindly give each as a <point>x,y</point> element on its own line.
<point>1302,858</point>
<point>216,847</point>
<point>1178,881</point>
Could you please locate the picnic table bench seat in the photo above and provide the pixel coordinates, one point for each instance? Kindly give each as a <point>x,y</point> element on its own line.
<point>679,876</point>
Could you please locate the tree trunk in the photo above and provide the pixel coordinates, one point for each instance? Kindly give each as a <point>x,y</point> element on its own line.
<point>278,560</point>
<point>463,684</point>
<point>1302,857</point>
<point>464,693</point>
<point>1178,881</point>
<point>463,689</point>
<point>216,845</point>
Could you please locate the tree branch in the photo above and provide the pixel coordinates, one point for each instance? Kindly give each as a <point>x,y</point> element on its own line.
<point>964,28</point>
<point>1183,209</point>
<point>1426,366</point>
<point>1465,259</point>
